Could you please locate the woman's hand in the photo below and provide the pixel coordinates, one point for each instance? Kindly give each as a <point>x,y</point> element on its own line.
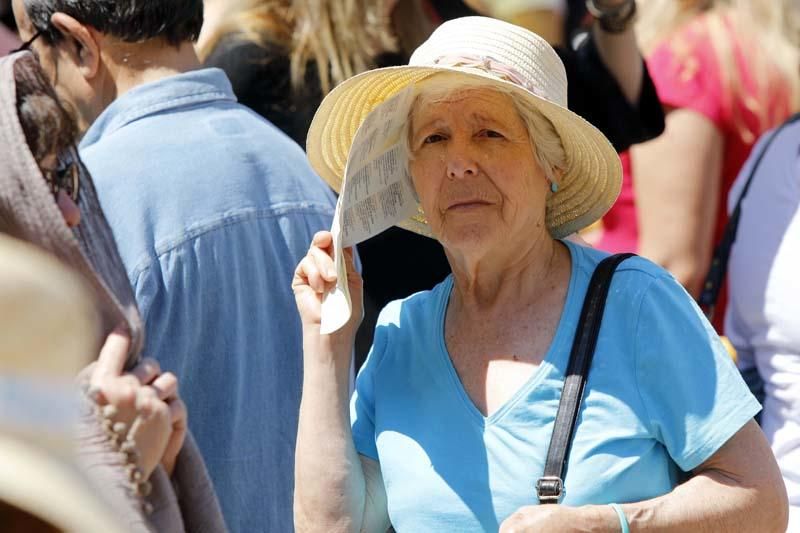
<point>166,385</point>
<point>561,518</point>
<point>316,275</point>
<point>143,405</point>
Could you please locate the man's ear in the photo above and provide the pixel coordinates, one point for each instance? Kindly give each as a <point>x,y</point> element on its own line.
<point>83,43</point>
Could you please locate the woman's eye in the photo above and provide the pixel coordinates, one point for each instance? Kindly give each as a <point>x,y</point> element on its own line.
<point>435,138</point>
<point>492,134</point>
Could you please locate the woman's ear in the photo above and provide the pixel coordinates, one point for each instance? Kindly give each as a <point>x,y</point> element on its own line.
<point>85,49</point>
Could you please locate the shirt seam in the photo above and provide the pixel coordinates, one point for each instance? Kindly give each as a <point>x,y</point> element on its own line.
<point>170,245</point>
<point>691,457</point>
<point>636,348</point>
<point>381,359</point>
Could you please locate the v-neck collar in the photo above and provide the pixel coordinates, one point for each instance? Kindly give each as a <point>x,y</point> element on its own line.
<point>557,345</point>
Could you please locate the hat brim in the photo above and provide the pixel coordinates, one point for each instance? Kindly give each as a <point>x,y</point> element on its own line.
<point>51,489</point>
<point>587,190</point>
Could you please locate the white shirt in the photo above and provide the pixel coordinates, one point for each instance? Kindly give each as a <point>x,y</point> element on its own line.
<point>763,318</point>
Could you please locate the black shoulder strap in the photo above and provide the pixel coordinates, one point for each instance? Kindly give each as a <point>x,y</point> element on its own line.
<point>550,486</point>
<point>715,278</point>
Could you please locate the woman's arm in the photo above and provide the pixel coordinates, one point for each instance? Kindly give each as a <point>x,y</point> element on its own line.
<point>620,53</point>
<point>336,489</point>
<point>738,490</point>
<point>677,202</point>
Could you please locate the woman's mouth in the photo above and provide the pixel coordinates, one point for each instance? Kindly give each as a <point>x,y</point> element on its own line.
<point>468,205</point>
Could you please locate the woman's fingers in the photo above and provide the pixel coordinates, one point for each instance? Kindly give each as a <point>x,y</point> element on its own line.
<point>148,404</point>
<point>349,260</point>
<point>147,370</point>
<point>315,271</point>
<point>166,386</point>
<point>151,430</point>
<point>323,240</point>
<point>308,274</point>
<point>111,360</point>
<point>179,414</point>
<point>324,263</point>
<point>179,419</point>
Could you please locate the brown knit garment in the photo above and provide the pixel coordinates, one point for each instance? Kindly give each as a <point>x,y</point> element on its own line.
<point>27,211</point>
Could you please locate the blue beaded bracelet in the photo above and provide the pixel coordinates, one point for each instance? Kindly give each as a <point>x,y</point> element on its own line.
<point>623,522</point>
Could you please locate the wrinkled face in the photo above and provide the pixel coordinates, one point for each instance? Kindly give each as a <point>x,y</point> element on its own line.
<point>474,169</point>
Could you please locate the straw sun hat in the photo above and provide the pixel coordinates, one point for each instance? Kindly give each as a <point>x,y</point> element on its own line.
<point>48,330</point>
<point>505,56</point>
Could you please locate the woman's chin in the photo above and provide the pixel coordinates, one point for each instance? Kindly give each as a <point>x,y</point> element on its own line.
<point>472,235</point>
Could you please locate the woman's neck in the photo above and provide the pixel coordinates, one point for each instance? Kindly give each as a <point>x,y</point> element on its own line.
<point>506,280</point>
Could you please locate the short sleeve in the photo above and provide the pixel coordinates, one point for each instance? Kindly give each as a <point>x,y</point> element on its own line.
<point>595,95</point>
<point>687,75</point>
<point>694,398</point>
<point>362,404</point>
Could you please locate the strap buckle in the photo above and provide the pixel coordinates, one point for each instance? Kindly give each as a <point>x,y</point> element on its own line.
<point>549,489</point>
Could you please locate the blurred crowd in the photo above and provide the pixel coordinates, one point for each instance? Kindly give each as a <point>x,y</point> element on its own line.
<point>156,199</point>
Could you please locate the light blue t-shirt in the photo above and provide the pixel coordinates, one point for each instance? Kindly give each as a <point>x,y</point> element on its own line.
<point>662,395</point>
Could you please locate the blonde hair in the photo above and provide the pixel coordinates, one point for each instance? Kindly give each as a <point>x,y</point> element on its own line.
<point>767,31</point>
<point>341,36</point>
<point>548,150</point>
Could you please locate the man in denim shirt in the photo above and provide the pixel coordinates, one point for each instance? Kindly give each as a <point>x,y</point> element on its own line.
<point>212,208</point>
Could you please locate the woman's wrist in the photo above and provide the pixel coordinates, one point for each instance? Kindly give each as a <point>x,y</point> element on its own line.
<point>597,519</point>
<point>613,17</point>
<point>327,351</point>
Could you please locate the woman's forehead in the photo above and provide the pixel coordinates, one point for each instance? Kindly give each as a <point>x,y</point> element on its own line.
<point>484,103</point>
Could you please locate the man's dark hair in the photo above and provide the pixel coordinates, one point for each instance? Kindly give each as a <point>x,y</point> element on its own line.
<point>133,21</point>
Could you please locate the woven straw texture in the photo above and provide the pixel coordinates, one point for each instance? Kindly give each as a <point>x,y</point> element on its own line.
<point>517,60</point>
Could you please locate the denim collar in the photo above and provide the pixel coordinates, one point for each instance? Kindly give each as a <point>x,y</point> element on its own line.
<point>182,90</point>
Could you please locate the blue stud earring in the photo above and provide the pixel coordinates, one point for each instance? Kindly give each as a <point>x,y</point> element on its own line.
<point>554,187</point>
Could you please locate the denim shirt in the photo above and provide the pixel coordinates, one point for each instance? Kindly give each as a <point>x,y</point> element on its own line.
<point>212,208</point>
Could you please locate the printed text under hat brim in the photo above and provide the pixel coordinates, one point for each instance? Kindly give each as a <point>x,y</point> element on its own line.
<point>503,55</point>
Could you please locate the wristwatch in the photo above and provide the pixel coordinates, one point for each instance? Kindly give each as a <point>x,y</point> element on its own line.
<point>614,19</point>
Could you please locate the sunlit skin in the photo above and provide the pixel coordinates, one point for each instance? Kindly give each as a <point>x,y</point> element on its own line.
<point>484,194</point>
<point>474,169</point>
<point>69,210</point>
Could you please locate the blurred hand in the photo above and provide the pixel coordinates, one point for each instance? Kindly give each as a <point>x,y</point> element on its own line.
<point>541,518</point>
<point>143,404</point>
<point>166,387</point>
<point>316,275</point>
<point>609,3</point>
<point>480,6</point>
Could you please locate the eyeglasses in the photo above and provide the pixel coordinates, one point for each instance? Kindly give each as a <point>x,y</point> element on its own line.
<point>27,44</point>
<point>66,176</point>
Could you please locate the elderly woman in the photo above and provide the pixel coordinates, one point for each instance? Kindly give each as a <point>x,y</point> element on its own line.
<point>449,427</point>
<point>133,439</point>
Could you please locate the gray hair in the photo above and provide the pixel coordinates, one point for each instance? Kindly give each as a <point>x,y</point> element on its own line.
<point>133,21</point>
<point>548,150</point>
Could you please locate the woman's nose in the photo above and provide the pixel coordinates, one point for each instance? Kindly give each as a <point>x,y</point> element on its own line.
<point>460,161</point>
<point>69,210</point>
